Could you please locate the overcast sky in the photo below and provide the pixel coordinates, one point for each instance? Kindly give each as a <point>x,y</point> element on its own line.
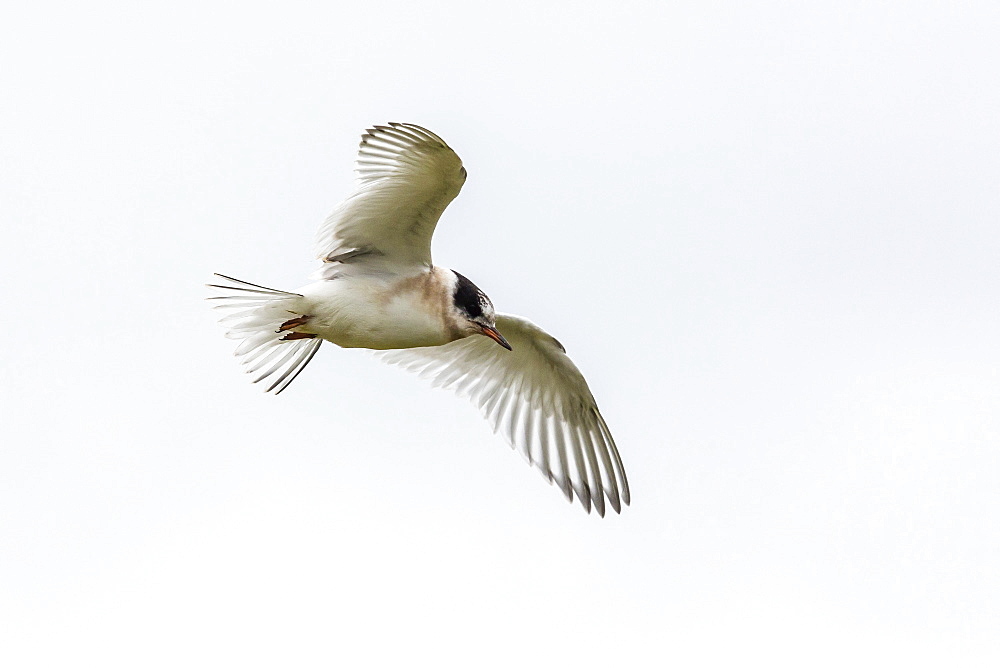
<point>768,233</point>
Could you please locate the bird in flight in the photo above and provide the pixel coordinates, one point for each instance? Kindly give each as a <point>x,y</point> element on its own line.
<point>378,288</point>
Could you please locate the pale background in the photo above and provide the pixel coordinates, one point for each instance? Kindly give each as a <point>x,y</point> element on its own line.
<point>767,233</point>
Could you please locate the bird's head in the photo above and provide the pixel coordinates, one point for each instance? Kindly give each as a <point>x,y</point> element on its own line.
<point>474,311</point>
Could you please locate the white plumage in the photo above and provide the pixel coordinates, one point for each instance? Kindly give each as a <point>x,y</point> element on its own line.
<point>536,397</point>
<point>378,289</point>
<point>406,177</point>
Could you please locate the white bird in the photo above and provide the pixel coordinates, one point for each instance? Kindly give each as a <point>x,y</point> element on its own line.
<point>378,289</point>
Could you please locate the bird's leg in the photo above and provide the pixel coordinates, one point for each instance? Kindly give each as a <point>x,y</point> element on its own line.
<point>294,322</point>
<point>292,336</point>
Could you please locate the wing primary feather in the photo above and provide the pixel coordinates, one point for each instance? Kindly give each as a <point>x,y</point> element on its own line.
<point>380,152</point>
<point>405,133</point>
<point>389,142</point>
<point>616,459</point>
<point>366,163</point>
<point>449,377</point>
<point>532,438</point>
<point>386,138</point>
<point>470,386</point>
<point>375,161</point>
<point>430,136</point>
<point>542,438</point>
<point>510,430</point>
<point>593,474</point>
<point>407,139</point>
<point>503,405</point>
<point>510,422</point>
<point>380,149</point>
<point>578,474</point>
<point>607,468</point>
<point>402,127</point>
<point>488,396</point>
<point>527,432</point>
<point>560,452</point>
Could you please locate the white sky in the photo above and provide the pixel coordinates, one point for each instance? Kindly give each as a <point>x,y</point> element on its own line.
<point>767,233</point>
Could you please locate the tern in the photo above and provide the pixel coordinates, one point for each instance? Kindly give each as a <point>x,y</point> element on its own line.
<point>378,289</point>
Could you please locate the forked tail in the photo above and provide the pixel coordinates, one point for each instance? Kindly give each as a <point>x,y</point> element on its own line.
<point>261,320</point>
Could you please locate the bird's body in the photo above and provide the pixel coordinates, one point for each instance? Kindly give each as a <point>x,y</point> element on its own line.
<point>379,289</point>
<point>381,312</point>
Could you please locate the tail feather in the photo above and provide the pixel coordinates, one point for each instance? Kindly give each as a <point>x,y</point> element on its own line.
<point>256,324</point>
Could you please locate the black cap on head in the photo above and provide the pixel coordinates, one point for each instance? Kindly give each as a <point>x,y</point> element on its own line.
<point>470,299</point>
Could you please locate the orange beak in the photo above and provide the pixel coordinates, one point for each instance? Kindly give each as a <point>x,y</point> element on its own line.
<point>496,336</point>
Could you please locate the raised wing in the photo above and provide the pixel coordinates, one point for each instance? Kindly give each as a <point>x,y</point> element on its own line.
<point>537,397</point>
<point>406,177</point>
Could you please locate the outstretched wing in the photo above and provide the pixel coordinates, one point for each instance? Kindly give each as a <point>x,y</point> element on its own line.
<point>537,397</point>
<point>406,177</point>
